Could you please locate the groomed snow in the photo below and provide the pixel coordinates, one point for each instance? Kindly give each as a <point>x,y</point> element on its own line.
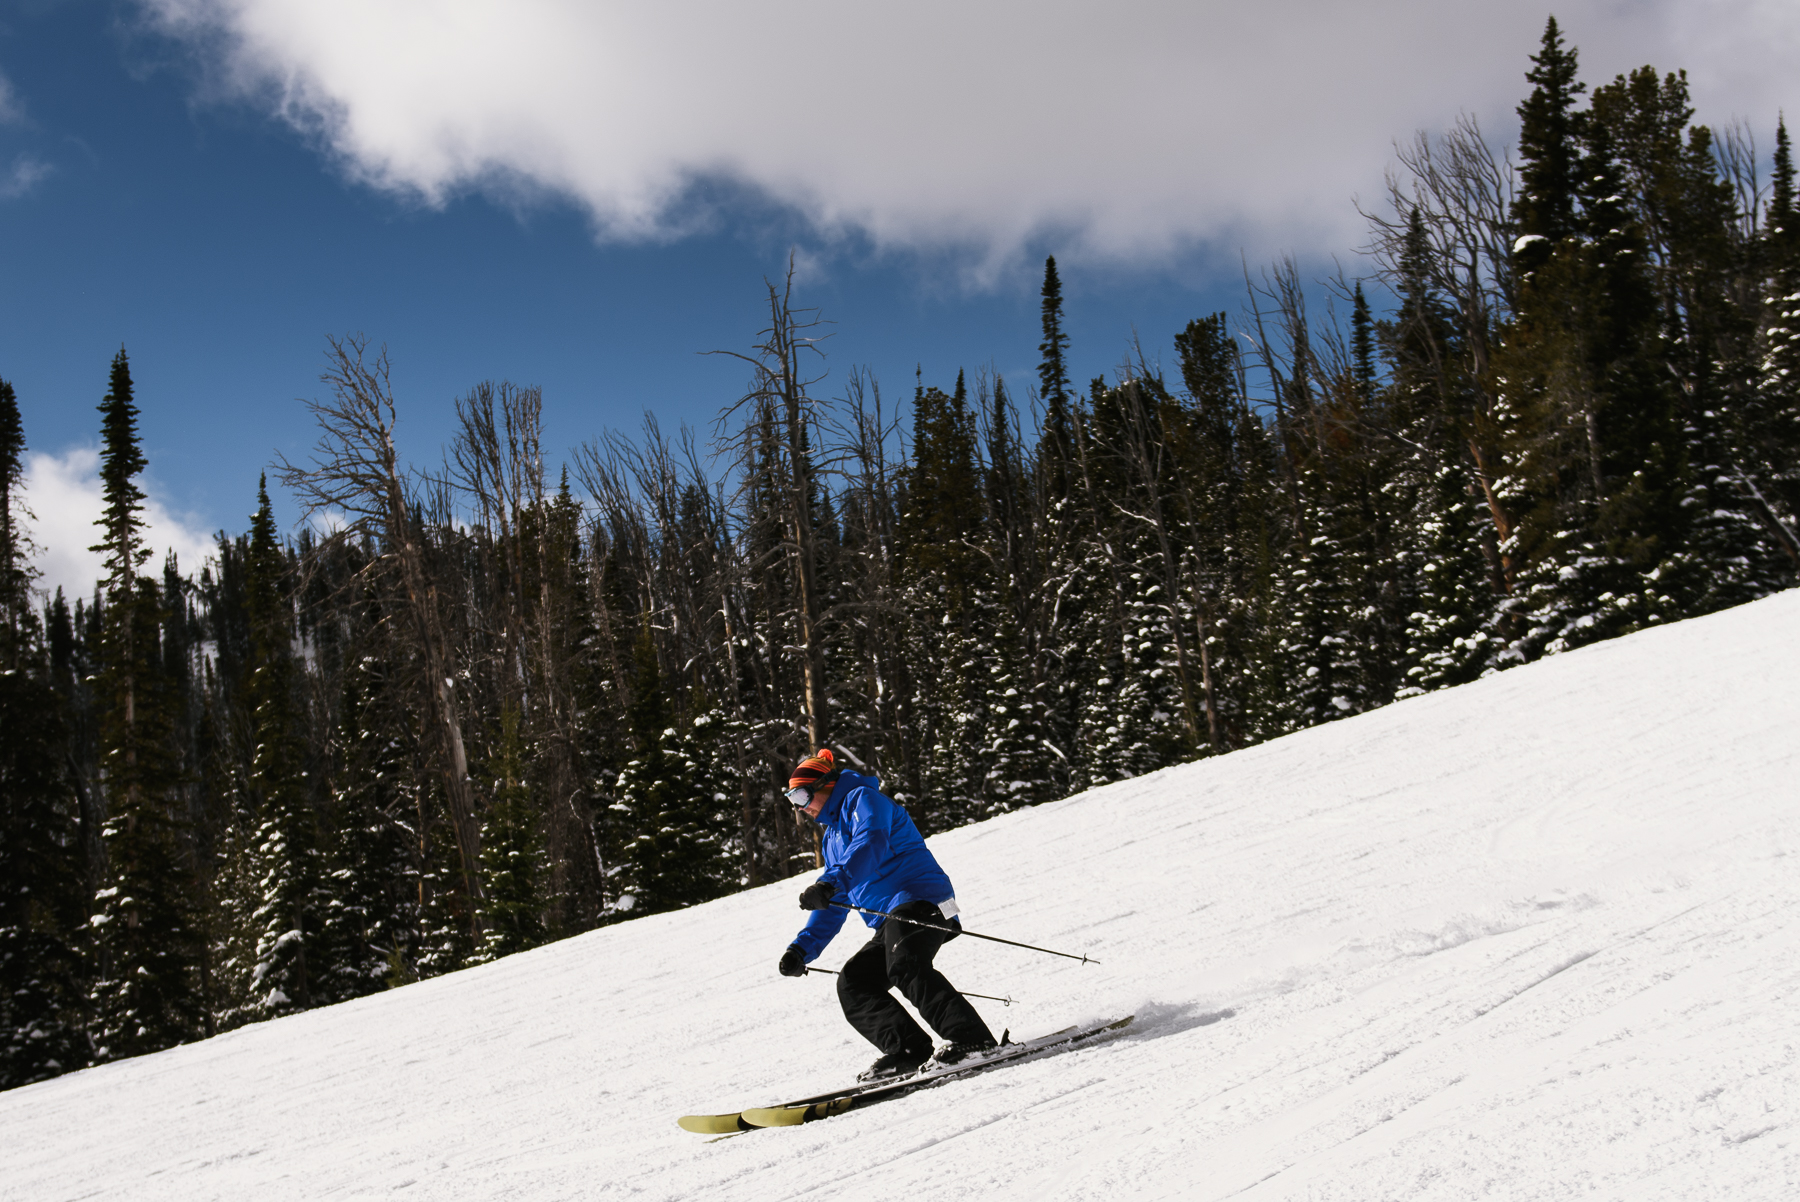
<point>1538,937</point>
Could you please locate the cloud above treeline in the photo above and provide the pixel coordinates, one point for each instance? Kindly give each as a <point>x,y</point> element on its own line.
<point>1122,132</point>
<point>62,491</point>
<point>12,112</point>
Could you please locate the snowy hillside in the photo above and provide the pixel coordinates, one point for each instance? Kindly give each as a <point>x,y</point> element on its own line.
<point>1538,937</point>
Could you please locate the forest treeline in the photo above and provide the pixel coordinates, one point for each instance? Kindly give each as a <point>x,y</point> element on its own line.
<point>502,702</point>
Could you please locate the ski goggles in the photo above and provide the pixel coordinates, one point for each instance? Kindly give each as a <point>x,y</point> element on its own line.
<point>801,796</point>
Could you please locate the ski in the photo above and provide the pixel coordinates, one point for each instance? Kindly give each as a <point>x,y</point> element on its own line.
<point>821,1106</point>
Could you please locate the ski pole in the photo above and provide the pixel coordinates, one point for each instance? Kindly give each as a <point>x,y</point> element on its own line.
<point>1004,1001</point>
<point>959,931</point>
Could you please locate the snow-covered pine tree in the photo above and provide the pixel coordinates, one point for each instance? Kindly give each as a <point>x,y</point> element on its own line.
<point>148,992</point>
<point>511,853</point>
<point>1770,473</point>
<point>1018,755</point>
<point>1593,445</point>
<point>1137,426</point>
<point>1707,548</point>
<point>1447,583</point>
<point>286,861</point>
<point>949,603</point>
<point>371,925</point>
<point>42,899</point>
<point>675,852</point>
<point>1227,472</point>
<point>19,626</point>
<point>1109,647</point>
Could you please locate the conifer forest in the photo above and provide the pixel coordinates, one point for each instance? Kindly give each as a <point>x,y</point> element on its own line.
<point>507,698</point>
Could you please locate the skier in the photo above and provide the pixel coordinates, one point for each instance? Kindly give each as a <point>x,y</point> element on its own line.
<point>876,859</point>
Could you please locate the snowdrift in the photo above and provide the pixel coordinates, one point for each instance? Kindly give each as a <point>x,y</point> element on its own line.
<point>1537,937</point>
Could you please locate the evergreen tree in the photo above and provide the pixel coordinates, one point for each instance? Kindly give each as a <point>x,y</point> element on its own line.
<point>1362,344</point>
<point>287,865</point>
<point>1449,586</point>
<point>1592,426</point>
<point>42,899</point>
<point>1018,756</point>
<point>945,575</point>
<point>1770,473</point>
<point>677,852</point>
<point>148,995</point>
<point>941,520</point>
<point>1226,474</point>
<point>18,621</point>
<point>1549,153</point>
<point>510,852</point>
<point>1053,377</point>
<point>371,925</point>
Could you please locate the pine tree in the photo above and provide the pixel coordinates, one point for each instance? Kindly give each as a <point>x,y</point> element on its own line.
<point>945,577</point>
<point>371,927</point>
<point>1592,425</point>
<point>511,864</point>
<point>1018,760</point>
<point>1018,757</point>
<point>42,901</point>
<point>42,910</point>
<point>1770,474</point>
<point>1549,153</point>
<point>1053,380</point>
<point>18,620</point>
<point>1449,589</point>
<point>1226,471</point>
<point>676,854</point>
<point>148,993</point>
<point>287,865</point>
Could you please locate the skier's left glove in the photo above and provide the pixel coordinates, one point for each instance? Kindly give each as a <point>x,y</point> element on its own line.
<point>817,895</point>
<point>793,961</point>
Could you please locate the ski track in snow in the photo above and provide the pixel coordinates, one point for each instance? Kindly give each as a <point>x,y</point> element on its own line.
<point>1533,938</point>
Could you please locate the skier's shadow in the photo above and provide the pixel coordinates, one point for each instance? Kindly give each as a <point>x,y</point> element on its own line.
<point>1156,1020</point>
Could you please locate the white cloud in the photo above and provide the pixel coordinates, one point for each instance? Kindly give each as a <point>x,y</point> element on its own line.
<point>11,112</point>
<point>24,174</point>
<point>327,522</point>
<point>63,494</point>
<point>1121,131</point>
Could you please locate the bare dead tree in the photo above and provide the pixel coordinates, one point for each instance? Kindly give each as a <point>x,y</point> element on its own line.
<point>780,388</point>
<point>354,479</point>
<point>1462,188</point>
<point>497,462</point>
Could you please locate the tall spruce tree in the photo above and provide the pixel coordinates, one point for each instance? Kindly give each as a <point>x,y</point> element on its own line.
<point>1053,373</point>
<point>288,866</point>
<point>371,927</point>
<point>1770,475</point>
<point>1550,126</point>
<point>18,619</point>
<point>148,995</point>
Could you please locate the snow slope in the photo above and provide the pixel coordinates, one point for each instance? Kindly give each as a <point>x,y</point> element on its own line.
<point>1538,937</point>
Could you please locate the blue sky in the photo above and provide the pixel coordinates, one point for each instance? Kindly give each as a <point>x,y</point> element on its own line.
<point>219,184</point>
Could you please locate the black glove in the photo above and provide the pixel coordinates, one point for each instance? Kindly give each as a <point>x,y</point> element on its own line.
<point>793,961</point>
<point>817,895</point>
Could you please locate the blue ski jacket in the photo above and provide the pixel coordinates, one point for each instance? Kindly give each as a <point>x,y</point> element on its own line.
<point>874,856</point>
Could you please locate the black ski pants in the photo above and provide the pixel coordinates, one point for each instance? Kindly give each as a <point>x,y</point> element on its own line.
<point>899,957</point>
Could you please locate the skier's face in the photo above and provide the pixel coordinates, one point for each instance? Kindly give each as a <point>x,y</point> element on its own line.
<point>815,798</point>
